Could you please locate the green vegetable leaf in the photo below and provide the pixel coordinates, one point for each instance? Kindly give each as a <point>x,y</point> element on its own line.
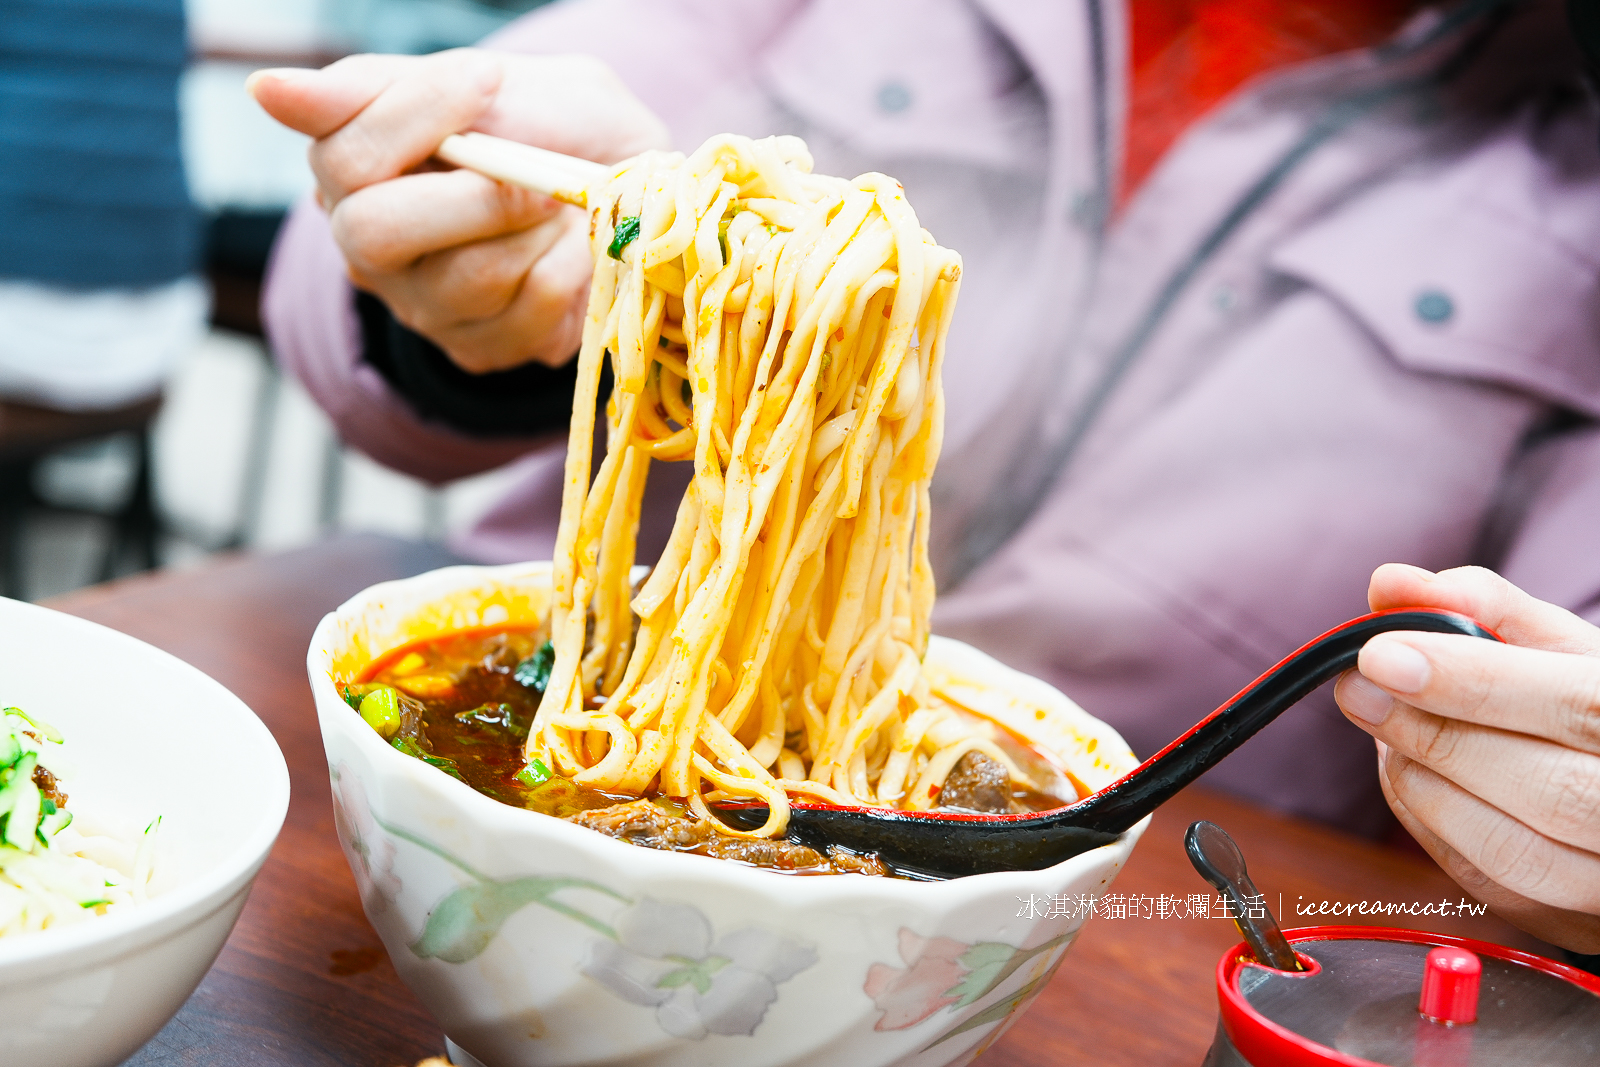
<point>497,717</point>
<point>409,746</point>
<point>625,234</point>
<point>534,672</point>
<point>468,919</point>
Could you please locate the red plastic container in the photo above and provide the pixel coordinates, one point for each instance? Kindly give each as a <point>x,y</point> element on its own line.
<point>1360,1005</point>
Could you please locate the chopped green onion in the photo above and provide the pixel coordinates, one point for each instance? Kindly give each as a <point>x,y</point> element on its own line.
<point>625,234</point>
<point>353,692</point>
<point>380,709</point>
<point>535,773</point>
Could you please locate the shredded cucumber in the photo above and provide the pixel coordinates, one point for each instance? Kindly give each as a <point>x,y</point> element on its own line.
<point>50,874</point>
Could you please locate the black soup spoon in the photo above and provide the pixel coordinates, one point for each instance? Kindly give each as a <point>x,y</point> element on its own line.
<point>939,844</point>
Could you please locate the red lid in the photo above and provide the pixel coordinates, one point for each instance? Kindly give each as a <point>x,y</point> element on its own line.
<point>1262,1041</point>
<point>1450,986</point>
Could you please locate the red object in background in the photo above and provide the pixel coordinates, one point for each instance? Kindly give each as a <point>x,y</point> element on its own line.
<point>1189,54</point>
<point>1256,1040</point>
<point>1450,986</point>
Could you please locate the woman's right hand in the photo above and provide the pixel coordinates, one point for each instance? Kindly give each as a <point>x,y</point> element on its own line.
<point>1489,753</point>
<point>495,275</point>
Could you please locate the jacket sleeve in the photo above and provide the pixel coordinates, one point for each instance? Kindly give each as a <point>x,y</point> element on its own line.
<point>1555,492</point>
<point>673,54</point>
<point>390,393</point>
<point>309,309</point>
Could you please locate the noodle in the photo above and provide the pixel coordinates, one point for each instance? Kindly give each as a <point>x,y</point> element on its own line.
<point>783,331</point>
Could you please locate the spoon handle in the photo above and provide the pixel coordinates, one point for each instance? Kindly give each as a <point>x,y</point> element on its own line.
<point>1120,805</point>
<point>1218,859</point>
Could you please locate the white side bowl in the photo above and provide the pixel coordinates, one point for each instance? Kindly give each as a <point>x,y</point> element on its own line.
<point>534,941</point>
<point>147,736</point>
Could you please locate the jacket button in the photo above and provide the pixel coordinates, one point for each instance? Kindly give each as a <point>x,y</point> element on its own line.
<point>893,97</point>
<point>1434,307</point>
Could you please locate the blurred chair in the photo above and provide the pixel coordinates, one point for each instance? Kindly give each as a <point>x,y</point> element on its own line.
<point>238,242</point>
<point>97,251</point>
<point>28,435</point>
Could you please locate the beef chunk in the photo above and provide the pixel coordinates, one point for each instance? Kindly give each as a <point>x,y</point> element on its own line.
<point>844,861</point>
<point>640,822</point>
<point>764,852</point>
<point>978,783</point>
<point>643,822</point>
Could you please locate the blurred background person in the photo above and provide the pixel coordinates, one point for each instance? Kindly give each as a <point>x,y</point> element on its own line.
<point>1257,296</point>
<point>100,246</point>
<point>134,170</point>
<point>99,249</point>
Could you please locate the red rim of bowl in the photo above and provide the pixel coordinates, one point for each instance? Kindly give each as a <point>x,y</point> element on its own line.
<point>1260,1040</point>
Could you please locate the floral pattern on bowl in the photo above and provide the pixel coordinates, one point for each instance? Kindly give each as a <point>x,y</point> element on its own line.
<point>663,957</point>
<point>942,973</point>
<point>658,954</point>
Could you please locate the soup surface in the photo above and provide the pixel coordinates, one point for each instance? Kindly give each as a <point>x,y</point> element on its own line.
<point>464,703</point>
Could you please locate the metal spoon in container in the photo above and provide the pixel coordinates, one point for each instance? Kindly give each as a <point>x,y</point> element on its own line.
<point>937,844</point>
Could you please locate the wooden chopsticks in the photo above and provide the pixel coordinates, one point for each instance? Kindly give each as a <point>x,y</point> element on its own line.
<point>566,178</point>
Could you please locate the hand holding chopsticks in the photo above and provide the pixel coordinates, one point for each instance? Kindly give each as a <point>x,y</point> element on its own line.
<point>494,276</point>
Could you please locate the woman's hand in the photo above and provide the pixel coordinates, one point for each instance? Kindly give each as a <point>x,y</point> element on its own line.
<point>1490,753</point>
<point>495,275</point>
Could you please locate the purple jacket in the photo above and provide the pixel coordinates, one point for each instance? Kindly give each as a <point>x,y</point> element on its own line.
<point>1351,318</point>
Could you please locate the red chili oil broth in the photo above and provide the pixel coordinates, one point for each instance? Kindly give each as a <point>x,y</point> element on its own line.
<point>486,750</point>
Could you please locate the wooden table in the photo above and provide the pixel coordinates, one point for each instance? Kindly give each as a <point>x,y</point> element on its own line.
<point>304,981</point>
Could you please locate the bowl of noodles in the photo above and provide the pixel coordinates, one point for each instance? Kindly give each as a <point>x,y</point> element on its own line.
<point>531,765</point>
<point>138,799</point>
<point>532,938</point>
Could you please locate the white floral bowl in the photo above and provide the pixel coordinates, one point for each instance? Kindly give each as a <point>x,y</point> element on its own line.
<point>534,941</point>
<point>147,737</point>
